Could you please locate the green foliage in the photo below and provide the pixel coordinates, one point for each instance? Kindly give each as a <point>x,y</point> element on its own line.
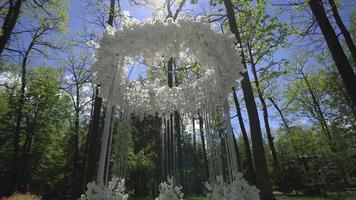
<point>43,140</point>
<point>50,14</point>
<point>308,164</point>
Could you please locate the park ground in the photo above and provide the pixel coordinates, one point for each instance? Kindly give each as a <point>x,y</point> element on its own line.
<point>349,196</point>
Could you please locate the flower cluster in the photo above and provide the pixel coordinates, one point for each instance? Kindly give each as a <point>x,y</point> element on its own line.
<point>238,189</point>
<point>154,39</point>
<point>167,191</point>
<point>114,191</point>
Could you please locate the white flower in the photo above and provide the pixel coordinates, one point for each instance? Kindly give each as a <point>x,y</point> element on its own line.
<point>239,189</point>
<point>114,191</point>
<point>92,43</point>
<point>167,191</point>
<point>149,40</point>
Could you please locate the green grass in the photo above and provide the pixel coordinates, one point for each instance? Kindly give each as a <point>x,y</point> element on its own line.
<point>195,198</point>
<point>328,197</point>
<point>283,197</point>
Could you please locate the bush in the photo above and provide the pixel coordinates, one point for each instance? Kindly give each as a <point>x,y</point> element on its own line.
<point>19,196</point>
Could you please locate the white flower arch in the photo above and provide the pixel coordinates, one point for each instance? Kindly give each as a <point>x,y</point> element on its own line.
<point>151,39</point>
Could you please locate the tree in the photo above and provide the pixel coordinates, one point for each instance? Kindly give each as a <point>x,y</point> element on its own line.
<point>312,100</point>
<point>201,129</point>
<point>42,152</point>
<point>177,118</point>
<point>9,23</point>
<point>250,169</point>
<point>262,35</point>
<point>280,112</point>
<point>44,25</point>
<point>346,72</point>
<point>262,181</point>
<point>46,113</point>
<point>93,153</point>
<point>348,39</point>
<point>79,79</point>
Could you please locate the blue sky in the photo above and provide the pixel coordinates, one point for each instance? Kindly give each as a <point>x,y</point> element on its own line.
<point>76,24</point>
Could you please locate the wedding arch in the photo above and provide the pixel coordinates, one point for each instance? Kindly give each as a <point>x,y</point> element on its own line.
<point>207,96</point>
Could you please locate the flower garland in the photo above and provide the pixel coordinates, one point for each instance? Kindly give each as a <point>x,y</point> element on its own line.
<point>165,39</point>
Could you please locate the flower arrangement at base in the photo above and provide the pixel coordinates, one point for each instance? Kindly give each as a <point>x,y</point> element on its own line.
<point>238,189</point>
<point>167,191</point>
<point>114,191</point>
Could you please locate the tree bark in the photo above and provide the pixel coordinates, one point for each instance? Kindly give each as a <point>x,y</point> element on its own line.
<point>342,64</point>
<point>262,180</point>
<point>179,147</point>
<point>75,167</point>
<point>170,132</point>
<point>348,39</point>
<point>194,140</point>
<point>238,156</point>
<point>171,144</point>
<point>250,169</point>
<point>21,102</point>
<point>94,141</point>
<point>206,167</point>
<point>264,110</point>
<point>9,23</point>
<point>111,13</point>
<point>178,138</point>
<point>281,114</point>
<point>318,110</point>
<point>24,172</point>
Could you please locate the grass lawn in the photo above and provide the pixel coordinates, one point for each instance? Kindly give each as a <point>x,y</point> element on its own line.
<point>328,197</point>
<point>283,197</point>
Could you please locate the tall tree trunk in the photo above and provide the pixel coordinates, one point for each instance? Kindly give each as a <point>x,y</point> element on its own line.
<point>281,114</point>
<point>348,39</point>
<point>318,110</point>
<point>262,180</point>
<point>103,140</point>
<point>24,172</point>
<point>179,147</point>
<point>170,132</point>
<point>176,126</point>
<point>178,132</point>
<point>75,167</point>
<point>171,144</point>
<point>206,167</point>
<point>94,141</point>
<point>338,54</point>
<point>238,156</point>
<point>20,105</point>
<point>86,150</point>
<point>194,140</point>
<point>264,110</point>
<point>111,13</point>
<point>250,169</point>
<point>9,23</point>
<point>158,169</point>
